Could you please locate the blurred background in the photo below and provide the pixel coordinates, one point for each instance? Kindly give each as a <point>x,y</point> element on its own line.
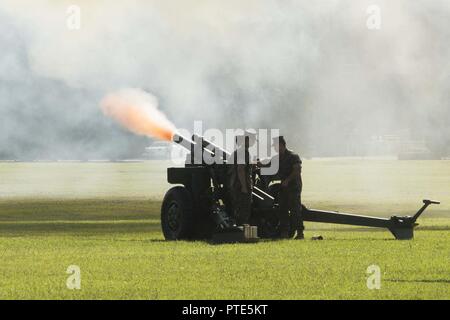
<point>333,86</point>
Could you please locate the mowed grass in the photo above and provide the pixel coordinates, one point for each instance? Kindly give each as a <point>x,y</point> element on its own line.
<point>104,217</point>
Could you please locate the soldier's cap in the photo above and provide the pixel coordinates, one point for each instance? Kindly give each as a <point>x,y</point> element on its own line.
<point>278,140</point>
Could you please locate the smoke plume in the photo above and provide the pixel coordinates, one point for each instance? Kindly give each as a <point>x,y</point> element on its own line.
<point>311,68</point>
<point>138,111</point>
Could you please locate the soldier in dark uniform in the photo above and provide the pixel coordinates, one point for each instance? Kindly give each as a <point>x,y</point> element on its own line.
<point>289,172</point>
<point>240,178</point>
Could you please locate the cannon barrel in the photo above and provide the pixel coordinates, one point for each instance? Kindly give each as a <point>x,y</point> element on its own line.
<point>197,145</point>
<point>210,147</point>
<point>224,154</point>
<point>213,149</point>
<point>183,141</point>
<point>195,149</point>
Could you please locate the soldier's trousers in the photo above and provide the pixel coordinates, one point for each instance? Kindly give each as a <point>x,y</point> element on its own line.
<point>290,201</point>
<point>241,203</point>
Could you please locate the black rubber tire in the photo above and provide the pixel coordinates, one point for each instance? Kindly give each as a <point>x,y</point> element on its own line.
<point>177,214</point>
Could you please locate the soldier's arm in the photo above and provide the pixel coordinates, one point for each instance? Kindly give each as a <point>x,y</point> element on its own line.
<point>296,170</point>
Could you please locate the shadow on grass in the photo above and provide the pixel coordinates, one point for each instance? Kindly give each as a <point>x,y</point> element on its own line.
<point>434,228</point>
<point>419,281</point>
<point>78,228</point>
<point>78,210</point>
<point>345,229</point>
<point>78,217</point>
<point>106,216</point>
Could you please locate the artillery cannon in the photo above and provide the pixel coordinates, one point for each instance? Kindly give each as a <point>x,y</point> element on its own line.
<point>199,206</point>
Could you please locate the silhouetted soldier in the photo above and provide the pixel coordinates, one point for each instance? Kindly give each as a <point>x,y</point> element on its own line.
<point>240,178</point>
<point>289,172</point>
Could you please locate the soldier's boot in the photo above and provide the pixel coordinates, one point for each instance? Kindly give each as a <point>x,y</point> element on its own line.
<point>300,235</point>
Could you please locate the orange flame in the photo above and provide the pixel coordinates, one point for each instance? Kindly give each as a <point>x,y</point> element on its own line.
<point>138,111</point>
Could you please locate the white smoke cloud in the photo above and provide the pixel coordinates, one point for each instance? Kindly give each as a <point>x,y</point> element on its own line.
<point>312,69</point>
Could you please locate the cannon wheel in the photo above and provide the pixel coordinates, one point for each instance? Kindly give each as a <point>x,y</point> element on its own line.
<point>177,214</point>
<point>270,226</point>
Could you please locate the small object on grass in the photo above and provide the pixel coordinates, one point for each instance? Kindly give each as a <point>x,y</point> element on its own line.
<point>319,237</point>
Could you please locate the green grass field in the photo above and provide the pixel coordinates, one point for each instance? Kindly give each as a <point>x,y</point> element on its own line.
<point>104,217</point>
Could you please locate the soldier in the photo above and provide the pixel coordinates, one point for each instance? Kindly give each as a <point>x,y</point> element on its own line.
<point>240,178</point>
<point>289,172</point>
